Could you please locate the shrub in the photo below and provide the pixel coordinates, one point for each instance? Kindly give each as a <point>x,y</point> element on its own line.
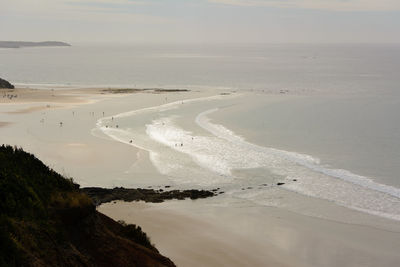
<point>135,233</point>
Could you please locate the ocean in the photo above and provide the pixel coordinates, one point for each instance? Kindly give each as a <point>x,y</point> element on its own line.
<point>321,120</point>
<point>331,68</point>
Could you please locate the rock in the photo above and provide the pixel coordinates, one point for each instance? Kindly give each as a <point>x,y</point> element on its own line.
<point>104,195</point>
<point>5,84</point>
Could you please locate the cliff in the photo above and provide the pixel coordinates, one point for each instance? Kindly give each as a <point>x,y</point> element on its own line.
<point>46,221</point>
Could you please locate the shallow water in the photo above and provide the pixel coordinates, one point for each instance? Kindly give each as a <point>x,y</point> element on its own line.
<point>357,133</point>
<point>208,154</point>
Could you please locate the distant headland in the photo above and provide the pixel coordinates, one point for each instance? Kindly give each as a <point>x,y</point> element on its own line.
<point>18,44</point>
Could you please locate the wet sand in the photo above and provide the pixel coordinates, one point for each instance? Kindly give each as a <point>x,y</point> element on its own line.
<point>201,234</point>
<point>4,123</point>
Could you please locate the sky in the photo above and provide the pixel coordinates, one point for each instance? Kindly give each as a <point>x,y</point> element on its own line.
<point>201,21</point>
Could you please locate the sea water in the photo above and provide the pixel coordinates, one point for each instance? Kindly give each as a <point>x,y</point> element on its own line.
<point>321,119</point>
<point>191,149</point>
<point>333,68</point>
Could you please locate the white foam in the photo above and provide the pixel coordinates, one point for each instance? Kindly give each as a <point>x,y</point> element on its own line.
<point>165,132</point>
<point>341,186</point>
<point>301,159</point>
<point>210,159</point>
<point>167,164</point>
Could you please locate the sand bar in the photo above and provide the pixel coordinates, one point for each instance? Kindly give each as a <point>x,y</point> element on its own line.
<point>76,149</point>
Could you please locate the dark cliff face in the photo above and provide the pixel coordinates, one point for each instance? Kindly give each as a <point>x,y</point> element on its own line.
<point>46,221</point>
<point>5,84</point>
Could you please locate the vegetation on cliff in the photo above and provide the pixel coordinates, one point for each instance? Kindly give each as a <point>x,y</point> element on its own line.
<point>46,221</point>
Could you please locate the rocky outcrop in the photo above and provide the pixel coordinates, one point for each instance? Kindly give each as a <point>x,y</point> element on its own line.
<point>6,84</point>
<point>103,195</point>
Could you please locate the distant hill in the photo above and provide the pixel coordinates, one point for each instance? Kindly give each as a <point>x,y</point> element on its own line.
<point>6,84</point>
<point>17,44</point>
<point>46,221</point>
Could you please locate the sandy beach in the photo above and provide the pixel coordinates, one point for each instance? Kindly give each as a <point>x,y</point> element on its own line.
<point>203,234</point>
<point>59,127</point>
<point>32,121</point>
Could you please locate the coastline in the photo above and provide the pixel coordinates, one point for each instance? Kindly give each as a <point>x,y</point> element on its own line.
<point>239,235</point>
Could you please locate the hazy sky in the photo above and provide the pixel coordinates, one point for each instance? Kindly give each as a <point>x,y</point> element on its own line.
<point>201,20</point>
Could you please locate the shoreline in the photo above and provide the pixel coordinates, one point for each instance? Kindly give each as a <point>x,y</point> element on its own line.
<point>240,234</point>
<point>73,95</point>
<point>83,143</point>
